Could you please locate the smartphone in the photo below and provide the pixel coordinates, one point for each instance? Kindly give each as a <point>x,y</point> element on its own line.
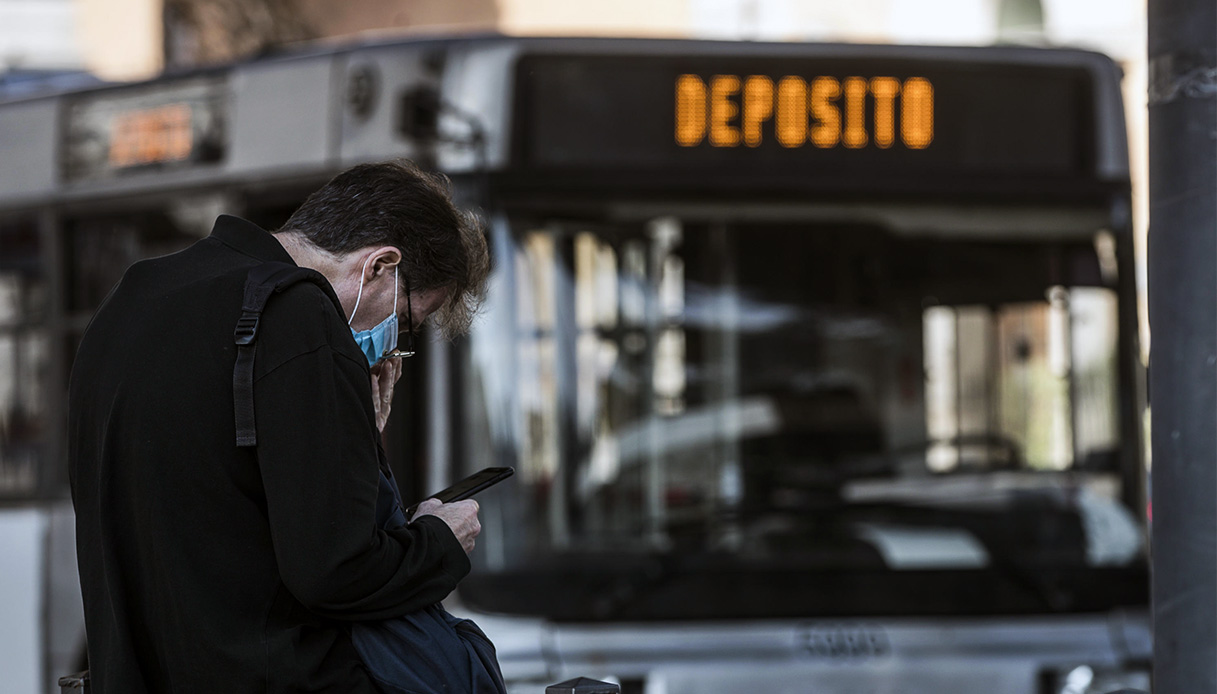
<point>469,486</point>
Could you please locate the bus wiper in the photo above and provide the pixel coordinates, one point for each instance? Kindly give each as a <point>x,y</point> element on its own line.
<point>1003,560</point>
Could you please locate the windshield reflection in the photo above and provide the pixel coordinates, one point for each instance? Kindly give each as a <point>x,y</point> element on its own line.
<point>772,396</point>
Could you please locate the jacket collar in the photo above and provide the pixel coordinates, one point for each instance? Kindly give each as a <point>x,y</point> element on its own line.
<point>249,238</point>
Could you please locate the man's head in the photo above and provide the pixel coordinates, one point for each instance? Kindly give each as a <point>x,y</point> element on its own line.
<point>387,224</point>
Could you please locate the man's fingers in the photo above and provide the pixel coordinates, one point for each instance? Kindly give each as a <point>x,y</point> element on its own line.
<point>388,377</point>
<point>460,516</point>
<point>384,375</point>
<point>427,508</point>
<point>470,504</point>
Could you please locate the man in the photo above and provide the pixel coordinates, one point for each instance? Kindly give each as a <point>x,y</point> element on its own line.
<point>210,568</point>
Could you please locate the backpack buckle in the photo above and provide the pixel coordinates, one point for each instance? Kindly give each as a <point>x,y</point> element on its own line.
<point>247,328</point>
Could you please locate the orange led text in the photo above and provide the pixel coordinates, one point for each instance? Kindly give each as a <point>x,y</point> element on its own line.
<point>826,112</point>
<point>152,135</point>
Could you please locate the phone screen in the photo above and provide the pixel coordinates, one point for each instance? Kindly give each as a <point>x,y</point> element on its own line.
<point>469,486</point>
<point>474,483</point>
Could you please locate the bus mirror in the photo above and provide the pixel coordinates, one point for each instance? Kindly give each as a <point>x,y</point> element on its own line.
<point>419,115</point>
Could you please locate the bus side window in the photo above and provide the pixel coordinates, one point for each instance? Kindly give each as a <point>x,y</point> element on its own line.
<point>24,359</point>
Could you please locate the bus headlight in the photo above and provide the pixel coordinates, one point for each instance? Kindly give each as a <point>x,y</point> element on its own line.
<point>1095,679</point>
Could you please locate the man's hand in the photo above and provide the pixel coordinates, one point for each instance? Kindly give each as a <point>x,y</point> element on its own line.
<point>461,517</point>
<point>384,376</point>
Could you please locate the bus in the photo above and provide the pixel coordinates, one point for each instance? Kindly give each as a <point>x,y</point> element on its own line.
<point>818,364</point>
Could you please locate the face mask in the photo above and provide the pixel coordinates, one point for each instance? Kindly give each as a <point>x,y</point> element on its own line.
<point>382,339</point>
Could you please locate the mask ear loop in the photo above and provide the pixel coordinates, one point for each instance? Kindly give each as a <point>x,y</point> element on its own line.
<point>360,294</point>
<point>389,350</point>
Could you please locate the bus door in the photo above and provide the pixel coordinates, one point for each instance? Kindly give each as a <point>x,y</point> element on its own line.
<point>34,513</point>
<point>55,270</point>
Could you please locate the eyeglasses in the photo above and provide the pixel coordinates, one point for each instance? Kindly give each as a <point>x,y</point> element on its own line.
<point>397,353</point>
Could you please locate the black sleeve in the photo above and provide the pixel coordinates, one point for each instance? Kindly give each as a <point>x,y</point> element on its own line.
<point>318,454</point>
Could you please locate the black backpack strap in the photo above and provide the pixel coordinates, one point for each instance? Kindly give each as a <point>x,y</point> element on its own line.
<point>261,282</point>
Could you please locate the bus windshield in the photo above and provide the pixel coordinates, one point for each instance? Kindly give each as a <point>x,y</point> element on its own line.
<point>758,419</point>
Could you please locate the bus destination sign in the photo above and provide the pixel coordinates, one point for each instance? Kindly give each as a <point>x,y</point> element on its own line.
<point>831,119</point>
<point>112,135</point>
<point>732,111</point>
<point>151,135</point>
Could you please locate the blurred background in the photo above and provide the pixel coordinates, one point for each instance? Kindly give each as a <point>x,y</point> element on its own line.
<point>137,39</point>
<point>134,39</point>
<point>812,424</point>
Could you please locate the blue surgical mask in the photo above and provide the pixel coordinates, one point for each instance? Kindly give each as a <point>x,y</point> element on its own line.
<point>382,339</point>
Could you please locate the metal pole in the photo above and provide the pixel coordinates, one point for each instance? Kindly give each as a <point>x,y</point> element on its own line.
<point>1183,316</point>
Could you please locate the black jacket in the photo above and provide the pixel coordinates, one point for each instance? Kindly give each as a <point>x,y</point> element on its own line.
<point>207,568</point>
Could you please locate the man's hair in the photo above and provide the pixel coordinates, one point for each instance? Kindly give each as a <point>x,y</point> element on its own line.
<point>398,204</point>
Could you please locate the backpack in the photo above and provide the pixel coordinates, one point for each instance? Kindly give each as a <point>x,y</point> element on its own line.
<point>428,651</point>
<point>425,652</point>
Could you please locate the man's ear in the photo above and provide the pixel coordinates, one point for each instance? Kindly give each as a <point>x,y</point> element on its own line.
<point>383,260</point>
